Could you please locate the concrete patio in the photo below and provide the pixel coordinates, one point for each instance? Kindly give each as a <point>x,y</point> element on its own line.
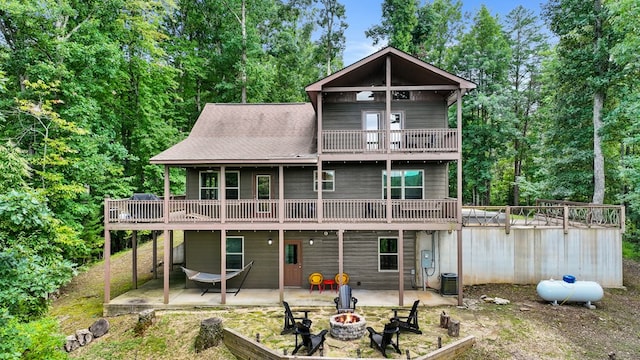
<point>150,296</point>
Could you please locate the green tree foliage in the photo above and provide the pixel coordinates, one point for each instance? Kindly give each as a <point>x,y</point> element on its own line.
<point>623,118</point>
<point>332,26</point>
<point>38,339</point>
<point>439,21</point>
<point>398,23</point>
<point>35,247</point>
<point>582,78</point>
<point>483,56</point>
<point>528,46</point>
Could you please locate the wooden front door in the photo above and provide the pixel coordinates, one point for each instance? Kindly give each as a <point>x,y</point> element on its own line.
<point>293,263</point>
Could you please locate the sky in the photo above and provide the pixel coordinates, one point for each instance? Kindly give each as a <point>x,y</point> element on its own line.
<point>362,14</point>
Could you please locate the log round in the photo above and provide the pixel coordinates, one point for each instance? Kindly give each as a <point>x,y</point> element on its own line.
<point>71,343</point>
<point>84,336</point>
<point>210,334</point>
<point>99,327</point>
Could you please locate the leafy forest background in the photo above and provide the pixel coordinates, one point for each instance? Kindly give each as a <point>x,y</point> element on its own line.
<point>91,89</point>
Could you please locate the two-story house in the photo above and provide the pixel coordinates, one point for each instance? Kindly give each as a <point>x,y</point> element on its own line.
<point>356,181</point>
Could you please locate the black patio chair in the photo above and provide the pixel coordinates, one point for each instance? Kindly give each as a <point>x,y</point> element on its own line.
<point>409,322</point>
<point>290,320</point>
<point>311,342</point>
<point>382,340</point>
<point>345,302</point>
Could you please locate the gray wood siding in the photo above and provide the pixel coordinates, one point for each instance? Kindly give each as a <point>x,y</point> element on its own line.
<point>418,115</point>
<point>202,252</point>
<point>360,259</point>
<point>247,181</point>
<point>353,181</point>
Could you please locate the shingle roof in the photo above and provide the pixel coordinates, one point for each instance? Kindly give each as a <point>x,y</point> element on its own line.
<point>226,133</point>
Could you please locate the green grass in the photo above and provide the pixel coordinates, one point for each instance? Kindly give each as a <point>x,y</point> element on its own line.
<point>631,250</point>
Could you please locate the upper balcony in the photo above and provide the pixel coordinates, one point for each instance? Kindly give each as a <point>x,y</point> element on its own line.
<point>379,141</point>
<point>296,211</point>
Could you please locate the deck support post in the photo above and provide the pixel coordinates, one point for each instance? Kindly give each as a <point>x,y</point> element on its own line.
<point>166,266</point>
<point>134,258</point>
<point>107,266</point>
<point>401,267</point>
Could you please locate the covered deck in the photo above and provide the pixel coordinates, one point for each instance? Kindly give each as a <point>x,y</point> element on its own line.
<point>150,295</point>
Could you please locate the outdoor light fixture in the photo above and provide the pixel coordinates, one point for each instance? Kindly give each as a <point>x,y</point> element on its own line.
<point>310,241</point>
<point>270,241</point>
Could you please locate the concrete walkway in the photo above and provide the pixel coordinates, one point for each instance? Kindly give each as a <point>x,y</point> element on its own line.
<point>150,296</point>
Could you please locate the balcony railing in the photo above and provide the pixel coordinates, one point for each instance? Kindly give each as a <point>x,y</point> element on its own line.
<point>295,210</point>
<point>568,216</point>
<point>414,140</point>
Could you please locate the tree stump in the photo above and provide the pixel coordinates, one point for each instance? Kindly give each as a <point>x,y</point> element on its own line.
<point>210,334</point>
<point>84,336</point>
<point>145,319</point>
<point>99,327</point>
<point>71,343</point>
<point>444,320</point>
<point>454,328</point>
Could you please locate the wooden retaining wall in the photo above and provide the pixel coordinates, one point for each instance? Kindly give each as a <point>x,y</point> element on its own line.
<point>246,349</point>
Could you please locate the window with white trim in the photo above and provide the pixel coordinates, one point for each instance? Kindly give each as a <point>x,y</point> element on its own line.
<point>388,254</point>
<point>405,184</point>
<point>328,180</point>
<point>210,185</point>
<point>235,252</point>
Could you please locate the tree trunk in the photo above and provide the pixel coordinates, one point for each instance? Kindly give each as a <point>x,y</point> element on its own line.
<point>210,334</point>
<point>71,343</point>
<point>84,336</point>
<point>454,328</point>
<point>99,327</point>
<point>145,319</point>
<point>598,158</point>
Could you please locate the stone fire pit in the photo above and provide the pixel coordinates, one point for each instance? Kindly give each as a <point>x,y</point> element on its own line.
<point>347,326</point>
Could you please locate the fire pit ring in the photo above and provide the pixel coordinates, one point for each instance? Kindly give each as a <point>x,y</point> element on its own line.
<point>347,326</point>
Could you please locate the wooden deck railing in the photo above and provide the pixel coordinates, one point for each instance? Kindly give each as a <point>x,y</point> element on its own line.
<point>295,210</point>
<point>575,216</point>
<point>414,140</point>
<point>366,210</point>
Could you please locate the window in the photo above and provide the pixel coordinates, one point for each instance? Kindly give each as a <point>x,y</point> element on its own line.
<point>372,123</point>
<point>263,192</point>
<point>405,184</point>
<point>401,95</point>
<point>364,96</point>
<point>396,126</point>
<point>235,252</point>
<point>328,180</point>
<point>210,185</point>
<point>388,254</point>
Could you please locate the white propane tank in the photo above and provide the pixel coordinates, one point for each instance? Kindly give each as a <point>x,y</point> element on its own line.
<point>570,290</point>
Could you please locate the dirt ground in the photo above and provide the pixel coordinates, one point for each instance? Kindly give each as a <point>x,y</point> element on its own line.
<point>526,328</point>
<point>611,331</point>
